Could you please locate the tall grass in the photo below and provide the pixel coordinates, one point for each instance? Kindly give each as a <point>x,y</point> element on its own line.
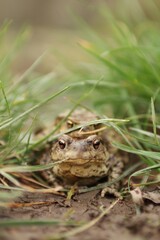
<point>120,79</point>
<point>125,56</point>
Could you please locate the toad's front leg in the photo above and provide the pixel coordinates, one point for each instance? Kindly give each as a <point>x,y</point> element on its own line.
<point>115,171</point>
<point>48,174</point>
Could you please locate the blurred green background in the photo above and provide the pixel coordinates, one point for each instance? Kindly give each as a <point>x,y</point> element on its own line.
<point>106,53</point>
<point>53,24</point>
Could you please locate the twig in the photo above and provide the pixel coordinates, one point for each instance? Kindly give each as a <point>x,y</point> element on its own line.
<point>30,204</point>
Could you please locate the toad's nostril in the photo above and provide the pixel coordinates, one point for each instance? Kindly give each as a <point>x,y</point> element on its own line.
<point>96,143</point>
<point>62,143</point>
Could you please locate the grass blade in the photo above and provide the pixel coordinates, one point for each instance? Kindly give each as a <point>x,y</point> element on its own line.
<point>148,154</point>
<point>154,121</point>
<point>33,222</point>
<point>2,125</point>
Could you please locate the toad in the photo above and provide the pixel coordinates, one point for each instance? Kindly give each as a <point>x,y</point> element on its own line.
<point>85,156</point>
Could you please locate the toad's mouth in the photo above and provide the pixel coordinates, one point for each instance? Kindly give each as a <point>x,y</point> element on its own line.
<point>79,161</point>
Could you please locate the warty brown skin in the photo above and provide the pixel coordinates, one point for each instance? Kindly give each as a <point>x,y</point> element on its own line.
<point>85,159</point>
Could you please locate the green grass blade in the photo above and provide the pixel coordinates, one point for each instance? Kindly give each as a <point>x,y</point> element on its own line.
<point>5,98</point>
<point>154,121</point>
<point>35,222</point>
<point>144,170</point>
<point>9,177</point>
<point>23,169</point>
<point>148,154</point>
<point>2,125</point>
<point>26,73</point>
<point>89,48</point>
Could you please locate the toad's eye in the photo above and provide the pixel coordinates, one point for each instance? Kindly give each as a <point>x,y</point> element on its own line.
<point>96,143</point>
<point>70,124</point>
<point>62,144</point>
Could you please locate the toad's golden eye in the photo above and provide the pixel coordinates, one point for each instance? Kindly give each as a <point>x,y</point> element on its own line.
<point>62,144</point>
<point>96,143</point>
<point>70,124</point>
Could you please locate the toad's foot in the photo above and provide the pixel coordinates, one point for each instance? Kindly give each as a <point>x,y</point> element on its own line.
<point>111,191</point>
<point>51,180</point>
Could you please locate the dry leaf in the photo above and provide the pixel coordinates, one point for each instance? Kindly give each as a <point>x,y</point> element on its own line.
<point>152,196</point>
<point>137,196</point>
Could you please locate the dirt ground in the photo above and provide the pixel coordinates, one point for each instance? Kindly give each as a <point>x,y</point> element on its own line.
<point>121,222</point>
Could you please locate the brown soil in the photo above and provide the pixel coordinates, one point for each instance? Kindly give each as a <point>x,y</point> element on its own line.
<point>122,222</point>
